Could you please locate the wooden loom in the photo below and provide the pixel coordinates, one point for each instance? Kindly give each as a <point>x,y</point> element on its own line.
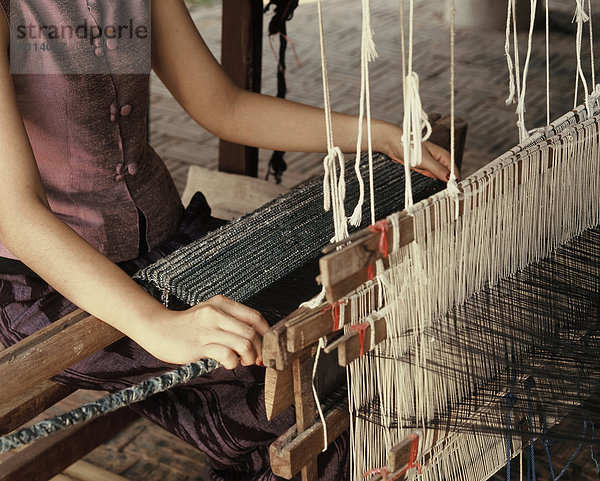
<point>290,345</point>
<point>289,348</point>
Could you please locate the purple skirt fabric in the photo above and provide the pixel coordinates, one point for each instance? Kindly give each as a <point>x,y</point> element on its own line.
<point>222,414</point>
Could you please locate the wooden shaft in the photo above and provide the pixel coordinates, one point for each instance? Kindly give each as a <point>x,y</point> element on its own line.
<point>241,58</point>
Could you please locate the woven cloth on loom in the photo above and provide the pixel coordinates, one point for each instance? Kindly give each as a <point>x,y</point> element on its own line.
<point>252,252</point>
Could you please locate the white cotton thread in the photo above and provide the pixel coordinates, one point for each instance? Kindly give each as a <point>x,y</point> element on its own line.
<point>368,54</point>
<point>547,62</point>
<point>415,118</point>
<point>592,60</point>
<point>334,189</point>
<point>322,344</point>
<point>523,134</point>
<point>452,182</point>
<point>580,18</point>
<point>509,61</point>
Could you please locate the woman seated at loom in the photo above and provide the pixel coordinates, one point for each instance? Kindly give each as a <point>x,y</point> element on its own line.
<point>85,202</point>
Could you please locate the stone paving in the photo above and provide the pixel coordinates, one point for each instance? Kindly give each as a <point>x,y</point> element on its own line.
<point>146,452</point>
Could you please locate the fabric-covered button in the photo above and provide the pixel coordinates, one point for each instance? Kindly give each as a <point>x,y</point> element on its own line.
<point>119,168</point>
<point>118,178</point>
<point>99,52</point>
<point>111,43</point>
<point>132,168</point>
<point>96,42</point>
<point>125,110</point>
<point>113,118</point>
<point>114,109</point>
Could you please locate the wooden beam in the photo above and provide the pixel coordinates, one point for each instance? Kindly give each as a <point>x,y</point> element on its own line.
<point>27,405</point>
<point>51,350</point>
<point>303,396</point>
<point>89,472</point>
<point>305,408</point>
<point>50,456</point>
<point>241,58</point>
<point>275,352</point>
<point>279,391</point>
<point>291,451</point>
<point>349,346</point>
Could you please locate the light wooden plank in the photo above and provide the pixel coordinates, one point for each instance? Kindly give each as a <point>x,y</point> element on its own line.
<point>89,472</point>
<point>50,456</point>
<point>51,350</point>
<point>303,396</point>
<point>22,408</point>
<point>279,391</point>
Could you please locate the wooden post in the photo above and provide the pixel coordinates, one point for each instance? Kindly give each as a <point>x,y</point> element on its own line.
<point>241,58</point>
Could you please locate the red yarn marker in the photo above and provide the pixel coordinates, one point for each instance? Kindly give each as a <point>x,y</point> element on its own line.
<point>361,329</point>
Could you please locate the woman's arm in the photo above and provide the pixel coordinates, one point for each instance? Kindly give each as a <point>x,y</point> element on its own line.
<point>220,328</point>
<point>186,66</point>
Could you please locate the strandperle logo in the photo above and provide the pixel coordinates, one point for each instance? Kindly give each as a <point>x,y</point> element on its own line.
<point>83,31</point>
<point>79,37</point>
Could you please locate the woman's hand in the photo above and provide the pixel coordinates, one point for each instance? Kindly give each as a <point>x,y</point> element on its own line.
<point>435,161</point>
<point>220,329</point>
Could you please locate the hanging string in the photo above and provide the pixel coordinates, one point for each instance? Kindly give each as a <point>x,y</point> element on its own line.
<point>593,66</point>
<point>580,18</point>
<point>452,183</point>
<point>415,118</point>
<point>284,10</point>
<point>509,61</point>
<point>368,54</point>
<point>334,188</point>
<point>523,134</point>
<point>322,344</point>
<point>547,62</point>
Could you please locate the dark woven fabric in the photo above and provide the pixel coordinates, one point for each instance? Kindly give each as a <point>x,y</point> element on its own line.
<point>254,251</point>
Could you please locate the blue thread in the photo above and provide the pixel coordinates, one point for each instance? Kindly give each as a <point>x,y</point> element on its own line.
<point>547,443</point>
<point>595,461</point>
<point>509,405</point>
<point>564,470</point>
<point>529,383</point>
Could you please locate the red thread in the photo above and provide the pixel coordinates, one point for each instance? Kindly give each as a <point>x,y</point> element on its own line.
<point>361,329</point>
<point>381,226</point>
<point>370,273</point>
<point>412,463</point>
<point>335,313</point>
<point>383,471</point>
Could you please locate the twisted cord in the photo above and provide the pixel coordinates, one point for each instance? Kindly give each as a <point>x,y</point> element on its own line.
<point>107,404</point>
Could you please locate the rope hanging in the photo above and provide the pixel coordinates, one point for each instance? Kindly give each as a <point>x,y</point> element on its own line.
<point>284,11</point>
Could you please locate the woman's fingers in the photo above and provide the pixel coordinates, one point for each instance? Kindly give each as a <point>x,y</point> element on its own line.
<point>222,354</point>
<point>232,326</point>
<point>440,155</point>
<point>244,313</point>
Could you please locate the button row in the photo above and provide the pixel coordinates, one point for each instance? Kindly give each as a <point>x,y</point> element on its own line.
<point>111,43</point>
<point>131,169</point>
<point>124,110</point>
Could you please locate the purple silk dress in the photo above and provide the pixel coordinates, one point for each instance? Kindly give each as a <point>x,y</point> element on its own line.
<point>88,133</point>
